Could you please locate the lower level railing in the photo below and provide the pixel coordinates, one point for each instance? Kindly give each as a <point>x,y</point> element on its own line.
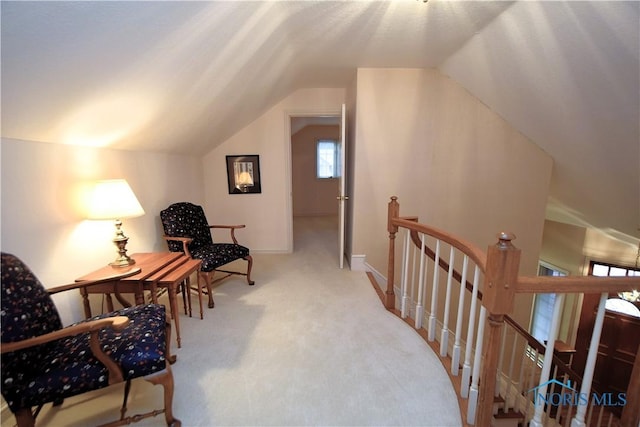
<point>462,297</point>
<point>518,387</point>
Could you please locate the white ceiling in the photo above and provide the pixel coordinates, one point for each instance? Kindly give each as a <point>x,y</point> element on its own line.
<point>184,76</point>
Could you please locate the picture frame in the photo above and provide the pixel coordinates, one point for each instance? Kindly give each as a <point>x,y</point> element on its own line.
<point>243,174</point>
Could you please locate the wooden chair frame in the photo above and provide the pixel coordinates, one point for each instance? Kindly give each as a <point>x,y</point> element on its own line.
<point>26,417</point>
<point>208,276</point>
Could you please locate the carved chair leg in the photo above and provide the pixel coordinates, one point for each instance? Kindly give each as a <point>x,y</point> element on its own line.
<point>249,260</point>
<point>25,418</point>
<point>208,276</point>
<point>165,379</point>
<point>199,279</point>
<point>125,398</point>
<point>171,358</point>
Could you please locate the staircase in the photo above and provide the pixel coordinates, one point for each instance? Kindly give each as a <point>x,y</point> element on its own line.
<point>460,298</point>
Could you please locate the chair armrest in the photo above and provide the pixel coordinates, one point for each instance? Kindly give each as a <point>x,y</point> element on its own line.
<point>117,322</point>
<point>93,327</point>
<point>185,243</point>
<point>232,229</point>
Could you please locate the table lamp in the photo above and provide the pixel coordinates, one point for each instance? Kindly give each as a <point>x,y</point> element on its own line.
<point>114,199</point>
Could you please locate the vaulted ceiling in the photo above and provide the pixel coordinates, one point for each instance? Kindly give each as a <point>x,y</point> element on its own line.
<point>183,76</point>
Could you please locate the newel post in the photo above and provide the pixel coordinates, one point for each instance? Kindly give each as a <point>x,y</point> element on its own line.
<point>503,260</point>
<point>393,212</point>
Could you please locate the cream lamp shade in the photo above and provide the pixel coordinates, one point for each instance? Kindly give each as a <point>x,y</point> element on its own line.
<point>114,199</point>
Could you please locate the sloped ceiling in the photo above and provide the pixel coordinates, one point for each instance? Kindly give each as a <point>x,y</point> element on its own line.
<point>184,76</point>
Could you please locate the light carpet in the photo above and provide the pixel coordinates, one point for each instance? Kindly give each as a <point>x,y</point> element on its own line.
<point>308,345</point>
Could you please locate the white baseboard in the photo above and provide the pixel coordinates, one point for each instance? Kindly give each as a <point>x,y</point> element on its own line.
<point>380,278</point>
<point>358,263</point>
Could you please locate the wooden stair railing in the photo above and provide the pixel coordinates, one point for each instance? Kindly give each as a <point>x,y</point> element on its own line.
<point>497,269</point>
<point>562,372</point>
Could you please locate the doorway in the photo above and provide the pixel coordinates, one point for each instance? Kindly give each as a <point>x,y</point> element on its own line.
<point>314,204</point>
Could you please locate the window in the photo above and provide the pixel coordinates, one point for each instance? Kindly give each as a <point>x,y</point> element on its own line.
<point>543,304</point>
<point>328,159</point>
<point>612,270</point>
<point>604,269</point>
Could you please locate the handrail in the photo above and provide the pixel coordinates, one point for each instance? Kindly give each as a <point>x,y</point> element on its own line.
<point>575,284</point>
<point>499,265</point>
<point>478,256</point>
<point>527,281</point>
<point>441,262</point>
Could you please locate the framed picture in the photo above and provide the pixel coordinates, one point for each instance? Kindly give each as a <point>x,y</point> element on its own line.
<point>243,174</point>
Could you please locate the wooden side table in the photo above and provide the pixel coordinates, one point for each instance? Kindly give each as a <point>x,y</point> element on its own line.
<point>170,278</point>
<point>157,269</point>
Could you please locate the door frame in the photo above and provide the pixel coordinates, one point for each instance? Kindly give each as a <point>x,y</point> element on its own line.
<point>288,116</point>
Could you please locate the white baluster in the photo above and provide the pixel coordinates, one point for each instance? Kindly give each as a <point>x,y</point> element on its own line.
<point>510,373</point>
<point>548,361</point>
<point>414,252</point>
<point>520,384</point>
<point>466,367</point>
<point>585,389</point>
<point>455,357</point>
<point>444,337</point>
<point>570,409</point>
<point>477,361</point>
<point>431,335</point>
<point>419,306</point>
<point>559,414</point>
<point>405,267</point>
<point>500,361</point>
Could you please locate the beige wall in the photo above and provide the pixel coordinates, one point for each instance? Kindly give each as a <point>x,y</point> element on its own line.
<point>449,159</point>
<point>42,219</point>
<point>268,215</point>
<point>311,195</point>
<point>562,246</point>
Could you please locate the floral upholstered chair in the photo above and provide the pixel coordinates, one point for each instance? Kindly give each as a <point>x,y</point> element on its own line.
<point>187,230</point>
<point>43,362</point>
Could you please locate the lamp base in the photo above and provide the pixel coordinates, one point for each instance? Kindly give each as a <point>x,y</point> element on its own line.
<point>120,240</point>
<point>123,261</point>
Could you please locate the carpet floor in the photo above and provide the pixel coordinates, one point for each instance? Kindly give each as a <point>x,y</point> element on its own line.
<point>308,345</point>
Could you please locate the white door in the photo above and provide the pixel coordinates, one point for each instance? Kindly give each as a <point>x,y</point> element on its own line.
<point>342,197</point>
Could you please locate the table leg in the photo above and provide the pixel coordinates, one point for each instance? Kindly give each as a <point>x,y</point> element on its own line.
<point>186,293</point>
<point>154,293</point>
<point>173,305</point>
<point>109,302</point>
<point>85,302</point>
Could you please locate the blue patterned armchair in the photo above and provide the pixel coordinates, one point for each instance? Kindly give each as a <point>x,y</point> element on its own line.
<point>43,362</point>
<point>187,230</point>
